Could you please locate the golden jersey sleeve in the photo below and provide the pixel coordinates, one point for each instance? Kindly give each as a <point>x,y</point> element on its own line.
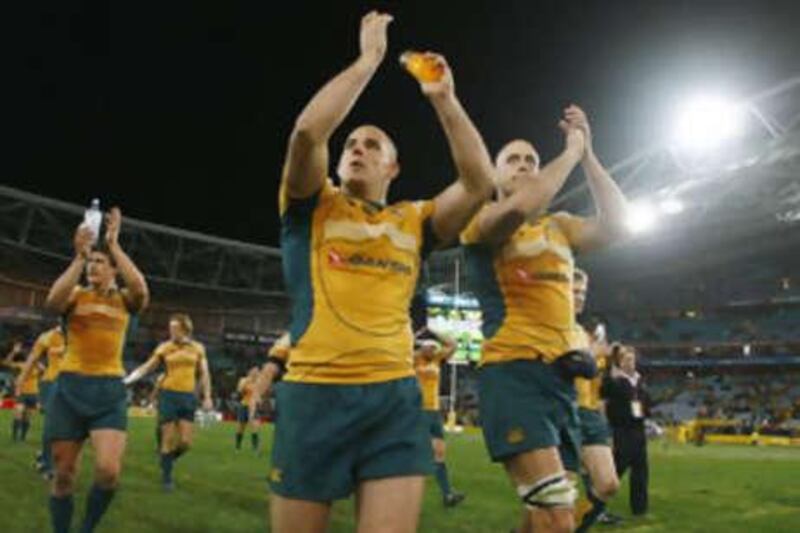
<point>39,349</point>
<point>53,342</point>
<point>181,361</point>
<point>428,374</point>
<point>525,290</point>
<point>96,328</point>
<point>351,267</point>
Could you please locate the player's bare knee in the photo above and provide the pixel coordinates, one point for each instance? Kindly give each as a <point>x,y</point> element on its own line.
<point>438,455</point>
<point>106,475</point>
<point>64,480</point>
<point>607,488</point>
<point>439,450</point>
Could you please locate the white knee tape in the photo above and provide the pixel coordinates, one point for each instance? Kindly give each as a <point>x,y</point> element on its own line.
<point>553,491</point>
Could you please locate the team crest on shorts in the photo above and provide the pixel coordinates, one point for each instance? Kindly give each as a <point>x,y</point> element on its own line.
<point>515,436</point>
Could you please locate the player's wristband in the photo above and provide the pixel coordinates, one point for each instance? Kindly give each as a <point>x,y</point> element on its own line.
<point>280,363</point>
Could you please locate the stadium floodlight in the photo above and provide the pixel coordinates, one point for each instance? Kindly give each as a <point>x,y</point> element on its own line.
<point>641,217</point>
<point>671,206</point>
<point>707,121</point>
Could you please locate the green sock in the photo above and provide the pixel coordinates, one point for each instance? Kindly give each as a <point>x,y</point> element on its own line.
<point>239,440</point>
<point>591,516</point>
<point>440,471</point>
<point>61,513</point>
<point>254,440</point>
<point>166,467</point>
<point>96,505</point>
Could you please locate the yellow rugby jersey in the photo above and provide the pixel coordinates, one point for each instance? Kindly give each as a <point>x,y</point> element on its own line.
<point>50,344</point>
<point>180,360</point>
<point>96,328</point>
<point>31,383</point>
<point>428,375</point>
<point>351,268</point>
<point>525,290</point>
<point>245,389</point>
<point>589,389</point>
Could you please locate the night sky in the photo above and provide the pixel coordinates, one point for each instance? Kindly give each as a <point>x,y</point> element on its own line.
<point>180,111</point>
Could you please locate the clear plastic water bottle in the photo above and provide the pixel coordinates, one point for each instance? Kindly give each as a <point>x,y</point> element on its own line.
<point>93,218</point>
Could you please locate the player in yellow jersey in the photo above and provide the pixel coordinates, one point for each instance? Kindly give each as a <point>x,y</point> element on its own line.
<point>50,347</point>
<point>26,391</point>
<point>89,399</point>
<point>429,357</point>
<point>244,414</point>
<point>349,419</point>
<point>183,360</point>
<point>601,479</point>
<point>519,262</point>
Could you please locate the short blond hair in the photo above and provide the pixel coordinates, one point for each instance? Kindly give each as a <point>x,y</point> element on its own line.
<point>184,320</point>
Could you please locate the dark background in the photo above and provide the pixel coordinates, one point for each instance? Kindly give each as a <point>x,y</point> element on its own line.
<point>180,111</point>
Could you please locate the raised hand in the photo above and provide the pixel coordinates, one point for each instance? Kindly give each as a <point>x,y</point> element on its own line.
<point>374,39</point>
<point>577,118</point>
<point>445,86</point>
<point>113,223</point>
<point>575,138</point>
<point>83,241</point>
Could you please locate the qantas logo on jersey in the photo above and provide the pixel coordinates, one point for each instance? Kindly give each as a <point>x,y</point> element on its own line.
<point>523,276</point>
<point>358,260</point>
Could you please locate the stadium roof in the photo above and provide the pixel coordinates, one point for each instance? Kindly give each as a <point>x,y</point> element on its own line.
<point>41,227</point>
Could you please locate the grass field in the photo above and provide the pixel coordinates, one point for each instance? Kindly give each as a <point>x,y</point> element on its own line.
<point>710,489</point>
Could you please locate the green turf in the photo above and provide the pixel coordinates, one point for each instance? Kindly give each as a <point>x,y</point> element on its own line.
<point>709,489</point>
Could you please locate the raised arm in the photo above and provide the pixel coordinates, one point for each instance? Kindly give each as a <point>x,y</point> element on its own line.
<point>501,219</point>
<point>307,159</point>
<point>456,205</point>
<point>608,224</point>
<point>16,348</point>
<point>59,299</point>
<point>137,295</point>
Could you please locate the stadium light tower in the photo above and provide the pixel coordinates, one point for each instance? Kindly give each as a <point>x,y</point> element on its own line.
<point>707,121</point>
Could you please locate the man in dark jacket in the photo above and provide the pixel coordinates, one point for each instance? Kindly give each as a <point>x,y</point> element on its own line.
<point>626,409</point>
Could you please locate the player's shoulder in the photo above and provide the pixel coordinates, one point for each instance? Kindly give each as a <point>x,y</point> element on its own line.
<point>164,347</point>
<point>44,337</point>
